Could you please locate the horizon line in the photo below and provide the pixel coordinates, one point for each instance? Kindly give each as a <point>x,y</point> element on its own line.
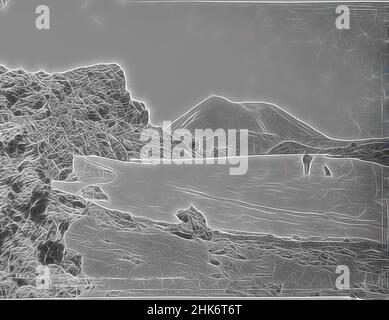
<point>67,69</point>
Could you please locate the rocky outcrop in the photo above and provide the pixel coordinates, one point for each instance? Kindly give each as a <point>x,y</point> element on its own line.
<point>193,225</point>
<point>46,119</point>
<point>94,193</point>
<point>83,111</point>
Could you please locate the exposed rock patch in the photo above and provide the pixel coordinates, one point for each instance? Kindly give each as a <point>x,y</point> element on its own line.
<point>46,119</point>
<point>94,193</point>
<point>193,224</point>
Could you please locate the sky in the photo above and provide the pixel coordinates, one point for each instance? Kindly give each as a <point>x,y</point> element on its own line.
<point>177,54</point>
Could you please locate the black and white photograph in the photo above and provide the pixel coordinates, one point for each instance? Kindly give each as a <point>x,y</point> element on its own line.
<point>196,150</point>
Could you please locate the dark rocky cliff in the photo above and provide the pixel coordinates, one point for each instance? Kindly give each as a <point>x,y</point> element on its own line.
<point>45,119</point>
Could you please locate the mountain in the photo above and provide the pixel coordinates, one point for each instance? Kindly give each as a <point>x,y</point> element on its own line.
<point>272,130</point>
<point>268,124</point>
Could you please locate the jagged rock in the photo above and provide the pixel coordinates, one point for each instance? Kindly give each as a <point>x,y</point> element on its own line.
<point>181,231</point>
<point>84,111</point>
<point>51,252</point>
<point>113,218</point>
<point>89,172</point>
<point>194,221</point>
<point>94,193</point>
<point>89,93</point>
<point>46,119</point>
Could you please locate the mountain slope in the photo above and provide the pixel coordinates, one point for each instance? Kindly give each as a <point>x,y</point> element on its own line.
<point>272,130</point>
<point>268,124</point>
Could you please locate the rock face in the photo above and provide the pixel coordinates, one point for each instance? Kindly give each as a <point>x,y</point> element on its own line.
<point>92,93</point>
<point>193,224</point>
<point>89,172</point>
<point>83,111</point>
<point>94,193</point>
<point>45,119</point>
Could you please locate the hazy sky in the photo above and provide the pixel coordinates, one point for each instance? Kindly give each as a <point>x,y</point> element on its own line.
<point>175,55</point>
